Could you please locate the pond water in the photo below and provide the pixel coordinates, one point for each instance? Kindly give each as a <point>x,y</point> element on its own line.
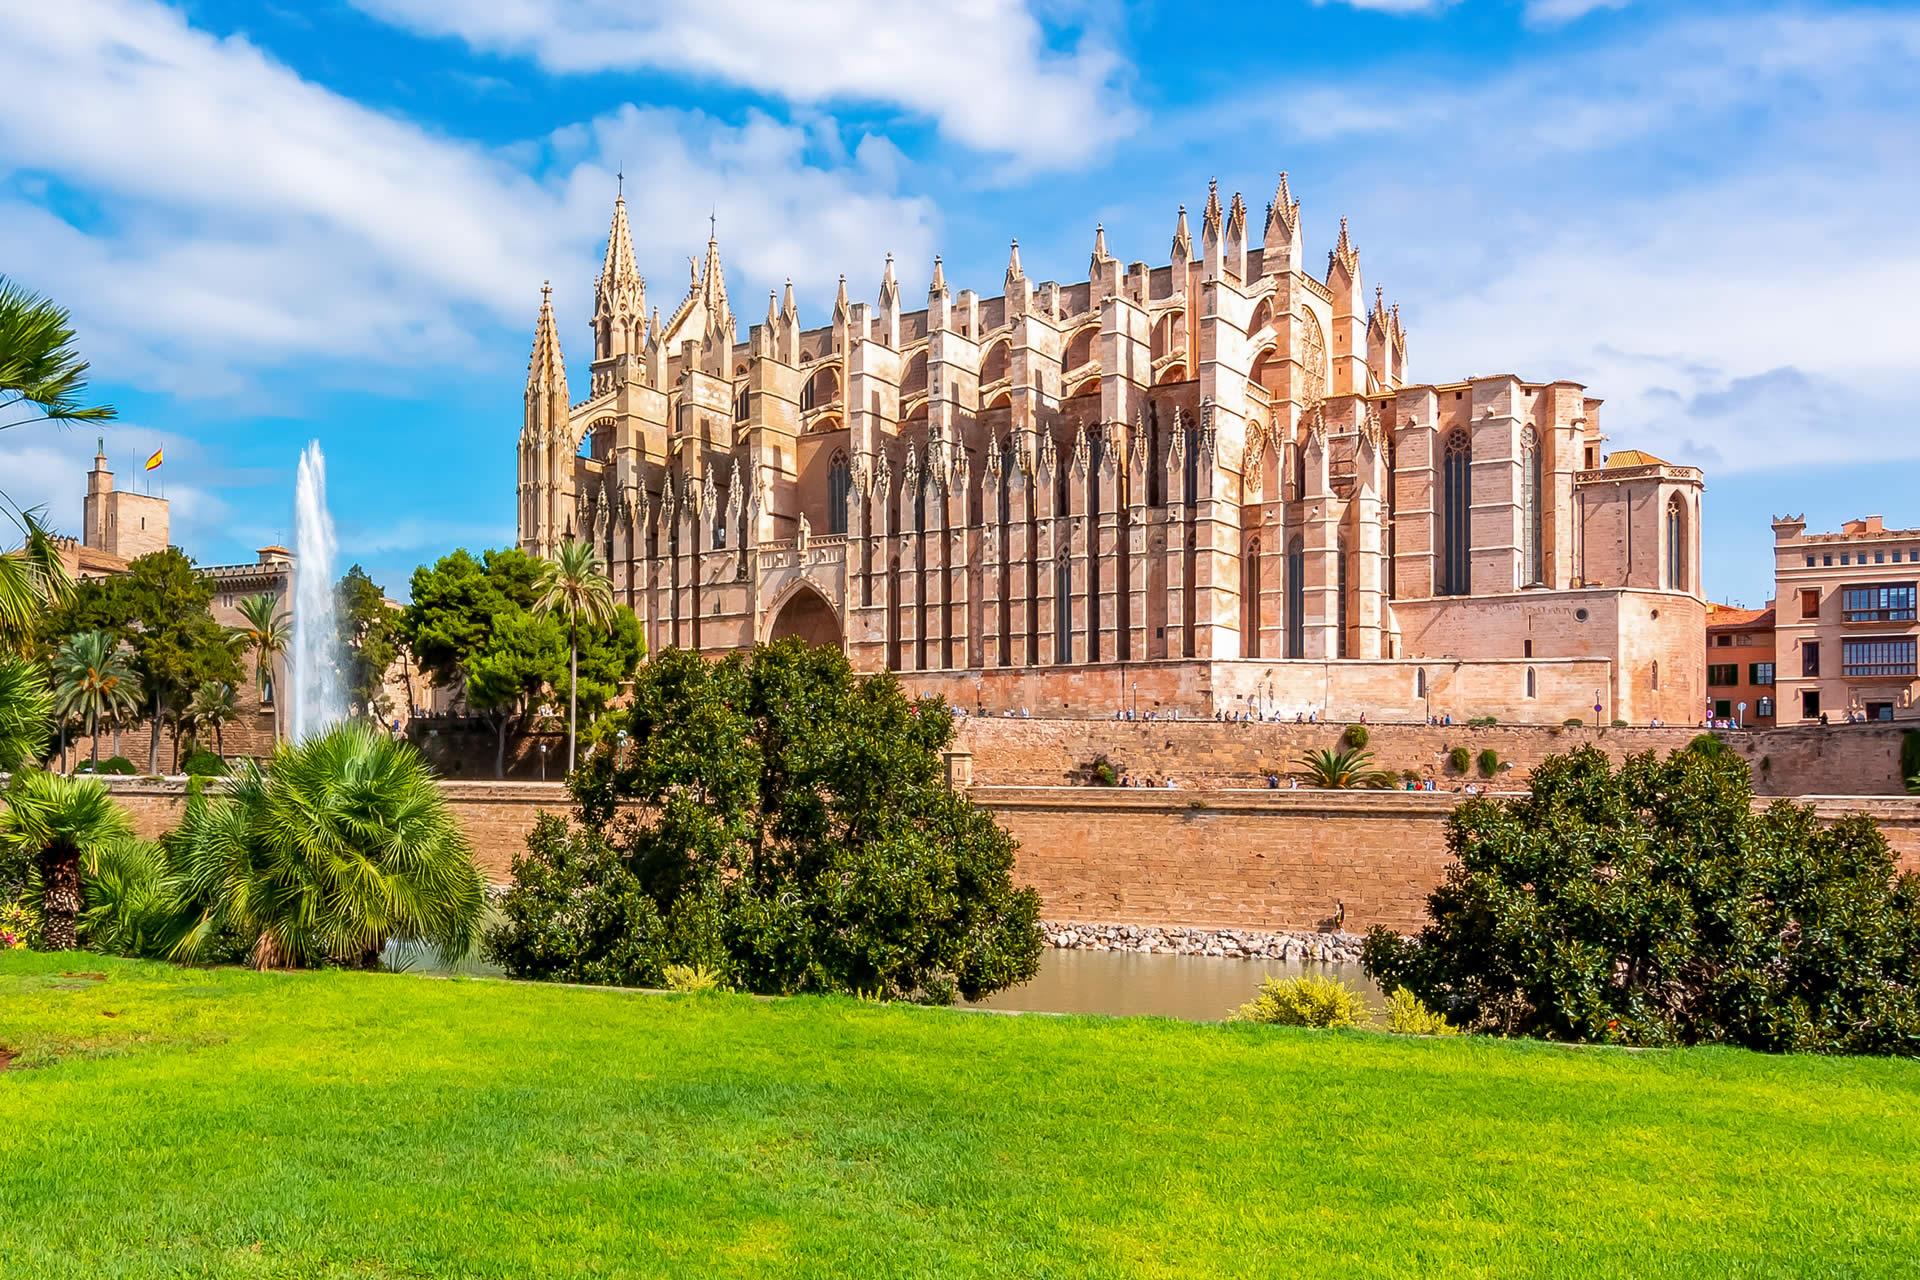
<point>1120,983</point>
<point>1196,988</point>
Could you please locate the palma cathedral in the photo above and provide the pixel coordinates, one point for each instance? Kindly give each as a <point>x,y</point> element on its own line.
<point>1210,486</point>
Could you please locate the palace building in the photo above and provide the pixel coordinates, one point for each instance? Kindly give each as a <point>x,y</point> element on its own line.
<point>1208,486</point>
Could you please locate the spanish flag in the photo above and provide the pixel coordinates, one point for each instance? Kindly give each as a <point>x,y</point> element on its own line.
<point>155,460</point>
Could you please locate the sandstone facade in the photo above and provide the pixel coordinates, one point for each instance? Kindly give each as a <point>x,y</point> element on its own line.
<point>1214,477</point>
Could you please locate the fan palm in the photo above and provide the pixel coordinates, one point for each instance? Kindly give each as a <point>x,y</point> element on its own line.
<point>1342,770</point>
<point>92,680</point>
<point>344,843</point>
<point>32,580</point>
<point>573,586</point>
<point>26,711</point>
<point>265,632</point>
<point>214,707</point>
<point>38,365</point>
<point>59,821</point>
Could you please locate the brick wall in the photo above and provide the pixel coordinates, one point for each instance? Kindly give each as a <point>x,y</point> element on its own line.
<point>1246,859</point>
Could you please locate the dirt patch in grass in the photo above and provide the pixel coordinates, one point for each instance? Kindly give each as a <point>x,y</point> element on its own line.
<point>97,977</point>
<point>6,1057</point>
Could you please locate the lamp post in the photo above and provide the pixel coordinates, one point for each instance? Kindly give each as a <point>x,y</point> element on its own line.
<point>543,762</point>
<point>1135,713</point>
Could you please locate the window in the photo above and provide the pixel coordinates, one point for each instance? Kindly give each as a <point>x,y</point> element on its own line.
<point>1760,673</point>
<point>1676,543</point>
<point>1827,560</point>
<point>1809,562</point>
<point>1457,481</point>
<point>1340,591</point>
<point>1723,642</point>
<point>1527,649</point>
<point>1296,598</point>
<point>839,487</point>
<point>1893,602</point>
<point>1420,683</point>
<point>1764,707</point>
<point>1810,603</point>
<point>1809,703</point>
<point>1843,557</point>
<point>1534,569</point>
<point>1893,657</point>
<point>1723,709</point>
<point>1810,658</point>
<point>1720,674</point>
<point>1879,557</point>
<point>1532,687</point>
<point>1656,677</point>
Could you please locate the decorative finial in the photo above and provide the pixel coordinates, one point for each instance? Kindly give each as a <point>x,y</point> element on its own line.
<point>713,224</point>
<point>620,188</point>
<point>546,290</point>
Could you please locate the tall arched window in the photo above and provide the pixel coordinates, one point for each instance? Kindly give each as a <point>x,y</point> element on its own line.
<point>1340,584</point>
<point>1190,483</point>
<point>1456,502</point>
<point>839,489</point>
<point>1006,483</point>
<point>1296,599</point>
<point>1063,610</point>
<point>1676,543</point>
<point>1532,686</point>
<point>1420,683</point>
<point>1250,596</point>
<point>1656,676</point>
<point>1534,568</point>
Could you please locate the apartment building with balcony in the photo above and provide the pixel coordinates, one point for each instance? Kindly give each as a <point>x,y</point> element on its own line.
<point>1846,627</point>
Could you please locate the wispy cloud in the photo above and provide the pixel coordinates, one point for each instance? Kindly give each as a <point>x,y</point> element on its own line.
<point>1551,13</point>
<point>244,218</point>
<point>988,72</point>
<point>1394,6</point>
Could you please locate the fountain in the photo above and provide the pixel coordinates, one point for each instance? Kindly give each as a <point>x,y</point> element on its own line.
<point>315,666</point>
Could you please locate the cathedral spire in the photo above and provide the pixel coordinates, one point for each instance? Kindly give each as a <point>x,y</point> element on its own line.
<point>1182,241</point>
<point>787,306</point>
<point>1344,255</point>
<point>939,284</point>
<point>1210,219</point>
<point>619,269</point>
<point>840,304</point>
<point>1283,215</point>
<point>1013,264</point>
<point>713,288</point>
<point>889,285</point>
<point>546,370</point>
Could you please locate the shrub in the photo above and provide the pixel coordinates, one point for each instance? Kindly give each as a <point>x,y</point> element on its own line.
<point>1101,772</point>
<point>1572,722</point>
<point>692,978</point>
<point>118,766</point>
<point>783,824</point>
<point>1483,722</point>
<point>1707,745</point>
<point>344,844</point>
<point>1309,1001</point>
<point>1342,770</point>
<point>1408,1017</point>
<point>1355,736</point>
<point>1910,759</point>
<point>204,764</point>
<point>1650,905</point>
<point>1621,724</point>
<point>19,927</point>
<point>1489,762</point>
<point>1458,758</point>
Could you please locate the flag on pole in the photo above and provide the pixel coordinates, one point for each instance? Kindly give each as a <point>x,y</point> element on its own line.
<point>155,460</point>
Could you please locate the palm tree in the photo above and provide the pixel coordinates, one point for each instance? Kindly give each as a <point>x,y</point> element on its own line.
<point>26,711</point>
<point>344,843</point>
<point>214,707</point>
<point>573,586</point>
<point>1342,770</point>
<point>60,821</point>
<point>32,580</point>
<point>93,680</point>
<point>266,633</point>
<point>38,365</point>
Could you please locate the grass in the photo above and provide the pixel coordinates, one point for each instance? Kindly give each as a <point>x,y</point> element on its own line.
<point>379,1125</point>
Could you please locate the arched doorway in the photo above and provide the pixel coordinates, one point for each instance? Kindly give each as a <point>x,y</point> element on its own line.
<point>806,614</point>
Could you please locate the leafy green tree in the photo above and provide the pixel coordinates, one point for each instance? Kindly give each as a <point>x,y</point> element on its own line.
<point>58,821</point>
<point>1650,905</point>
<point>26,712</point>
<point>344,843</point>
<point>214,707</point>
<point>454,605</point>
<point>574,589</point>
<point>370,637</point>
<point>265,632</point>
<point>177,646</point>
<point>39,368</point>
<point>93,680</point>
<point>523,657</point>
<point>33,581</point>
<point>780,821</point>
<point>1342,770</point>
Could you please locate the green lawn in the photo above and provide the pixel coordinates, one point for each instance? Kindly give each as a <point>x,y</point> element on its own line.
<point>169,1122</point>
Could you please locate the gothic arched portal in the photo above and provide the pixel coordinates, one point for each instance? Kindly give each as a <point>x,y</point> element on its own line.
<point>806,614</point>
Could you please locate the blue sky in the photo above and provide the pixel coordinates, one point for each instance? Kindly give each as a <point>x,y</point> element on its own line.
<point>277,222</point>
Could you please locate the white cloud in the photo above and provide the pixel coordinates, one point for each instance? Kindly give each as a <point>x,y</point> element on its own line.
<point>244,219</point>
<point>1394,6</point>
<point>1708,223</point>
<point>986,71</point>
<point>1548,13</point>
